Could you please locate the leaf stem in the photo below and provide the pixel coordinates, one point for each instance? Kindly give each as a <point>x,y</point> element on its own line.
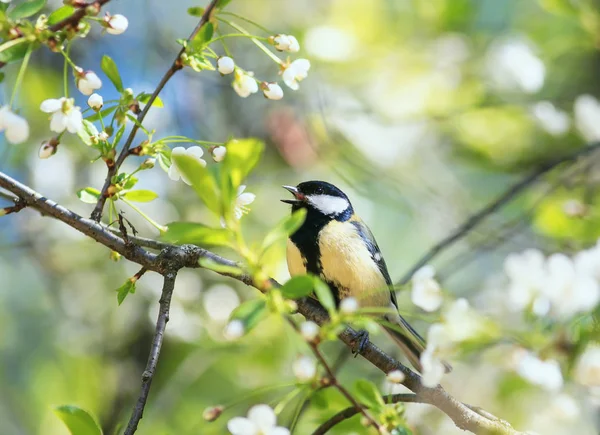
<point>20,75</point>
<point>152,222</point>
<point>253,39</point>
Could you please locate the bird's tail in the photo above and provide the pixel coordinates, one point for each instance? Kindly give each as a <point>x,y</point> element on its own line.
<point>411,343</point>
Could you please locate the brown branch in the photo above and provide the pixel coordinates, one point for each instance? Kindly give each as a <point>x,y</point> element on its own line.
<point>175,66</point>
<point>510,194</point>
<point>353,410</point>
<point>148,374</point>
<point>173,258</point>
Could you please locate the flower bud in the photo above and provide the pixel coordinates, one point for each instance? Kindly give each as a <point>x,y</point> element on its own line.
<point>87,81</point>
<point>309,330</point>
<point>234,330</point>
<point>95,102</point>
<point>148,163</point>
<point>115,24</point>
<point>103,136</point>
<point>225,65</point>
<point>218,153</point>
<point>48,148</point>
<point>348,305</point>
<point>395,377</point>
<point>272,91</point>
<point>212,413</point>
<point>305,368</point>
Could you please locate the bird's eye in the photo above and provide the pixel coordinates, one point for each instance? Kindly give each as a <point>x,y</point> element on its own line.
<point>319,190</point>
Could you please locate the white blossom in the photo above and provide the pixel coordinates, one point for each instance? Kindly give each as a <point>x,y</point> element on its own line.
<point>195,152</point>
<point>348,305</point>
<point>396,377</point>
<point>234,330</point>
<point>242,200</point>
<point>426,293</point>
<point>545,373</point>
<point>225,65</point>
<point>513,65</point>
<point>218,153</point>
<point>95,101</point>
<point>103,136</point>
<point>564,407</point>
<point>244,85</point>
<point>116,24</point>
<point>309,330</point>
<point>15,127</point>
<point>461,321</point>
<point>433,368</point>
<point>87,81</point>
<point>305,368</point>
<point>65,115</point>
<point>261,420</point>
<point>554,121</point>
<point>587,117</point>
<point>287,43</point>
<point>295,73</point>
<point>526,273</point>
<point>587,369</point>
<point>272,91</point>
<point>47,150</point>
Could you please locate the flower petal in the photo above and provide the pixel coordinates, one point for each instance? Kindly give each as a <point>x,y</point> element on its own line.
<point>58,122</point>
<point>74,120</point>
<point>245,199</point>
<point>17,129</point>
<point>262,416</point>
<point>51,105</point>
<point>242,426</point>
<point>195,151</point>
<point>178,151</point>
<point>278,431</point>
<point>174,173</point>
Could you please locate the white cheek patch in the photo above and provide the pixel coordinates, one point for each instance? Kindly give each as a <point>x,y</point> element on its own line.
<point>329,205</point>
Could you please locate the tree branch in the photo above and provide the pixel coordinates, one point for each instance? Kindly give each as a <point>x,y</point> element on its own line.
<point>74,19</point>
<point>175,66</point>
<point>148,374</point>
<point>173,258</point>
<point>353,410</point>
<point>475,219</point>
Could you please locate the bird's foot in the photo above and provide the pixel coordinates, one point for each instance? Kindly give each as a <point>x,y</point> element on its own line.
<point>360,342</point>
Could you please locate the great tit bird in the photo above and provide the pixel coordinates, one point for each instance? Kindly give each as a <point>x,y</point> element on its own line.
<point>334,244</point>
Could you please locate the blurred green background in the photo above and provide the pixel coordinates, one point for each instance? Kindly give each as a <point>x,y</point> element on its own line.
<point>421,110</point>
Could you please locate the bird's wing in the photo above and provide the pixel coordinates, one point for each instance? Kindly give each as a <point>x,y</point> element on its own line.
<point>369,239</point>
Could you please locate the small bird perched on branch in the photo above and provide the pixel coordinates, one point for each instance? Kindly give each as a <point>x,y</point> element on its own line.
<point>334,244</point>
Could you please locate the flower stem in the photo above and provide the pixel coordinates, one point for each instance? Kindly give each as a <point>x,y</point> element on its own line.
<point>152,222</point>
<point>20,75</point>
<point>240,17</point>
<point>253,39</point>
<point>66,68</point>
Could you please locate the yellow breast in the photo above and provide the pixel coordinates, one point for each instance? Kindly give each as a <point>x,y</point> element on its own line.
<point>295,261</point>
<point>346,262</point>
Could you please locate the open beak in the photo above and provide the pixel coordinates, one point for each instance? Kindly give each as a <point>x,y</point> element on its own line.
<point>298,197</point>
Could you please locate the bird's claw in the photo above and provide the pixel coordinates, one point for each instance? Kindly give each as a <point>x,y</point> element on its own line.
<point>360,342</point>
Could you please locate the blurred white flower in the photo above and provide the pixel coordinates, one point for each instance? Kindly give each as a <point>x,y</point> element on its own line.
<point>309,330</point>
<point>305,368</point>
<point>225,65</point>
<point>574,208</point>
<point>588,261</point>
<point>47,150</point>
<point>348,305</point>
<point>439,345</point>
<point>546,373</point>
<point>244,85</point>
<point>95,101</point>
<point>331,43</point>
<point>219,302</point>
<point>526,274</point>
<point>286,43</point>
<point>564,407</point>
<point>15,127</point>
<point>461,321</point>
<point>65,115</point>
<point>234,330</point>
<point>587,117</point>
<point>272,91</point>
<point>512,65</point>
<point>196,152</point>
<point>116,24</point>
<point>295,73</point>
<point>587,369</point>
<point>396,377</point>
<point>433,368</point>
<point>242,201</point>
<point>426,292</point>
<point>87,81</point>
<point>218,153</point>
<point>552,120</point>
<point>261,420</point>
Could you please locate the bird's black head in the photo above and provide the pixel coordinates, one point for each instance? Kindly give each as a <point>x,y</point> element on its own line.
<point>320,198</point>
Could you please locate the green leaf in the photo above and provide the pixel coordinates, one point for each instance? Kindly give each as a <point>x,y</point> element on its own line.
<point>242,156</point>
<point>222,3</point>
<point>285,228</point>
<point>124,290</point>
<point>202,37</point>
<point>195,11</point>
<point>198,234</point>
<point>131,181</point>
<point>119,135</point>
<point>201,178</point>
<point>86,133</point>
<point>324,295</point>
<point>102,114</point>
<point>89,195</point>
<point>15,50</point>
<point>368,394</point>
<point>140,195</point>
<point>250,312</point>
<point>60,14</point>
<point>26,9</point>
<point>78,421</point>
<point>112,72</point>
<point>145,97</point>
<point>298,287</point>
<point>226,269</point>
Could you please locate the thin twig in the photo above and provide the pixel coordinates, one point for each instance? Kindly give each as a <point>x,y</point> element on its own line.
<point>148,375</point>
<point>353,410</point>
<point>175,66</point>
<point>492,207</point>
<point>8,197</point>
